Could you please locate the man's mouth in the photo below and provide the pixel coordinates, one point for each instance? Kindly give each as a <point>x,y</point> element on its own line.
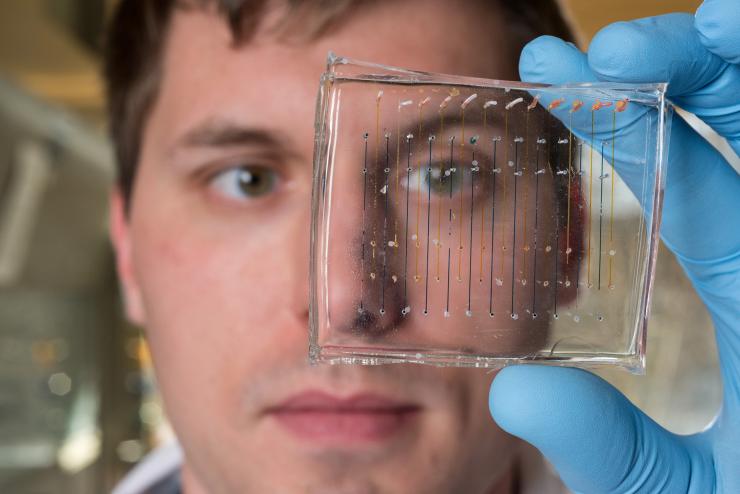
<point>362,417</point>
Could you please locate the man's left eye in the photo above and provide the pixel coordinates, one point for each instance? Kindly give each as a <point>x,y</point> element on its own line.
<point>441,182</point>
<point>245,182</point>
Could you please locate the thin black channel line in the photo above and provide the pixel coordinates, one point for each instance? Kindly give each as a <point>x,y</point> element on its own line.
<point>385,228</point>
<point>406,234</point>
<point>601,210</point>
<point>513,241</point>
<point>429,206</point>
<point>470,256</point>
<point>364,205</point>
<point>536,219</point>
<point>493,218</point>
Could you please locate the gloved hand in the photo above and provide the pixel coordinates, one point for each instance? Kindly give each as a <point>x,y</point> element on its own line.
<point>597,440</point>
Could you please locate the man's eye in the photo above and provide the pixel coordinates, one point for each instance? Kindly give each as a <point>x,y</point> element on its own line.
<point>440,180</point>
<point>245,182</point>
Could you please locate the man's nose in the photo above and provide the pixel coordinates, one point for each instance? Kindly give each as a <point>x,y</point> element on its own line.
<point>360,259</point>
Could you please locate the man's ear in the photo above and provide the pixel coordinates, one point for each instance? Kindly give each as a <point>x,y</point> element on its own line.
<point>120,235</point>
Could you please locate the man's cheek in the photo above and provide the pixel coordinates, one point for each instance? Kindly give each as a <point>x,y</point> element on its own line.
<point>194,319</point>
<point>229,286</point>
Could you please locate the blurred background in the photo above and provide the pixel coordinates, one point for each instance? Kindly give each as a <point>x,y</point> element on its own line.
<point>78,403</point>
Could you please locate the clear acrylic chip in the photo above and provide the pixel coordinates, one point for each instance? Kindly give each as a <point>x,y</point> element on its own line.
<point>472,222</point>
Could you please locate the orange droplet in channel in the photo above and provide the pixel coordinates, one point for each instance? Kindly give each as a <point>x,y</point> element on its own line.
<point>621,105</point>
<point>555,103</point>
<point>601,104</point>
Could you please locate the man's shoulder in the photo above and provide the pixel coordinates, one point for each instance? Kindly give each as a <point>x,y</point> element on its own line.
<point>157,473</point>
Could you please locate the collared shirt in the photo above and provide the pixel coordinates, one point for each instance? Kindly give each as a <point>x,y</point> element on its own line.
<point>159,473</point>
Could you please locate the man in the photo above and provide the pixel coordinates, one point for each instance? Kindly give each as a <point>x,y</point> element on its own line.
<point>211,111</point>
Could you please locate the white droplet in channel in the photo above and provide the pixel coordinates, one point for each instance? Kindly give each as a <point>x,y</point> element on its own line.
<point>612,252</point>
<point>372,276</point>
<point>414,237</point>
<point>545,283</point>
<point>515,316</point>
<point>469,313</point>
<point>568,250</point>
<point>384,189</point>
<point>548,248</point>
<point>567,283</point>
<point>394,278</point>
<point>499,282</point>
<point>447,313</point>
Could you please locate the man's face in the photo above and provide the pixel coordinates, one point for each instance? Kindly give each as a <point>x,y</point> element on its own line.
<point>214,262</point>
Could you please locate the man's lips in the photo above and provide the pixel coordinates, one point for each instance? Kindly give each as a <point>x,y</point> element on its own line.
<point>361,417</point>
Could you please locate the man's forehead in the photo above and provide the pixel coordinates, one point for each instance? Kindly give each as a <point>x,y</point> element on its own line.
<point>468,38</point>
<point>269,82</point>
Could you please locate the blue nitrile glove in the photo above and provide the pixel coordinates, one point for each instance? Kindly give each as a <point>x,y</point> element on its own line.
<point>597,440</point>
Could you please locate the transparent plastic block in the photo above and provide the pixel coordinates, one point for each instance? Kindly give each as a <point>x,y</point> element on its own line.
<point>472,222</point>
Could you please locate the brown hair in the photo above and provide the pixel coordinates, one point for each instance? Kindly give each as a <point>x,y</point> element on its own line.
<point>138,31</point>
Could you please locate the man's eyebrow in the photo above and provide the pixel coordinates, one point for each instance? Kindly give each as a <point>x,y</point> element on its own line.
<point>217,133</point>
<point>431,123</point>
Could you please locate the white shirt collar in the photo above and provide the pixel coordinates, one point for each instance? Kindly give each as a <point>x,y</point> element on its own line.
<point>158,466</point>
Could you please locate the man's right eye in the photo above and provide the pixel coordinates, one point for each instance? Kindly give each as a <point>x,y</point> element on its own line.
<point>244,182</point>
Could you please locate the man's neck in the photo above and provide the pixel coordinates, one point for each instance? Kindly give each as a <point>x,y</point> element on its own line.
<point>508,483</point>
<point>190,483</point>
